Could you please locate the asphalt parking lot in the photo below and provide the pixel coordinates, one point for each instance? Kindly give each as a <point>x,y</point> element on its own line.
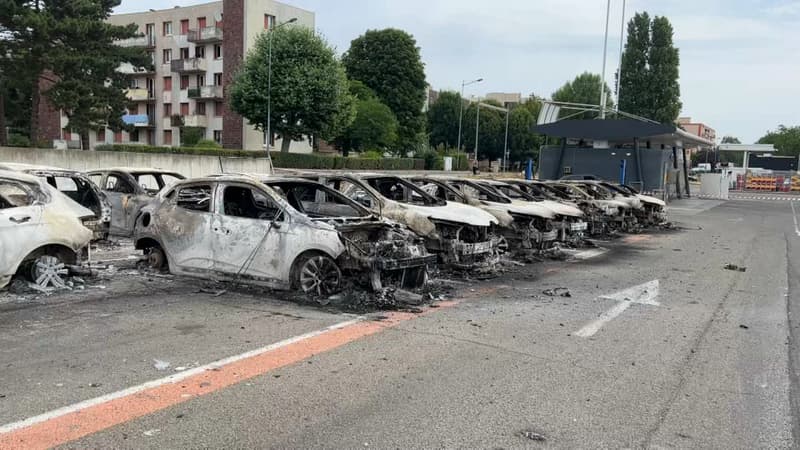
<point>647,341</point>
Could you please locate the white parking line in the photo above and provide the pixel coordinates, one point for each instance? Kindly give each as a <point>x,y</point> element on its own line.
<point>794,216</point>
<point>644,294</point>
<point>7,428</point>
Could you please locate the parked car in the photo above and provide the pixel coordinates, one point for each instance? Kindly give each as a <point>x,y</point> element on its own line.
<point>461,235</point>
<point>523,226</point>
<point>76,186</point>
<point>624,220</point>
<point>128,190</point>
<point>41,230</point>
<point>281,233</point>
<point>653,211</point>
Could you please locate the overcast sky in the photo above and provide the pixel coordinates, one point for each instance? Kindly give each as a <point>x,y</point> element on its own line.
<point>740,59</point>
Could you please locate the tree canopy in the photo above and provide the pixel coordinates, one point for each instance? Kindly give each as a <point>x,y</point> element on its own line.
<point>310,95</point>
<point>374,127</point>
<point>443,120</point>
<point>70,43</point>
<point>388,62</point>
<point>785,139</point>
<point>649,84</point>
<point>585,88</point>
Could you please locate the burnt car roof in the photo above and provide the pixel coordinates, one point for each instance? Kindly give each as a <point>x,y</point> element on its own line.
<point>136,170</point>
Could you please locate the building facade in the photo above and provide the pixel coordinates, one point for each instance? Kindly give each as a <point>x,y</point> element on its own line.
<point>697,128</point>
<point>195,51</point>
<point>507,99</point>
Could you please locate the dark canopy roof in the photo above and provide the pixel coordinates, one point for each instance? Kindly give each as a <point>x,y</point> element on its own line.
<point>620,130</point>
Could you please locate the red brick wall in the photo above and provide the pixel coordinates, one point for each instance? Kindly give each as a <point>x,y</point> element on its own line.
<point>49,117</point>
<point>232,54</point>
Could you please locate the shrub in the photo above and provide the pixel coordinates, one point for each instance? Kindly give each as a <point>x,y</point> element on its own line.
<point>18,140</point>
<point>207,143</point>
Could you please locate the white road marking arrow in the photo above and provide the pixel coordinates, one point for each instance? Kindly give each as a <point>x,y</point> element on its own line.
<point>644,294</point>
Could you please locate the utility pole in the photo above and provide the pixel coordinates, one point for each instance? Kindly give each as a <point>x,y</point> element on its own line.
<point>619,69</point>
<point>603,76</point>
<point>461,109</point>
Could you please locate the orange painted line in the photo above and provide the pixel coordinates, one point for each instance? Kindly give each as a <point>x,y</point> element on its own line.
<point>75,425</point>
<point>637,238</point>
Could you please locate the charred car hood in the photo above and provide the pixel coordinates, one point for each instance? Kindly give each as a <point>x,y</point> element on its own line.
<point>632,202</point>
<point>528,208</point>
<point>562,208</point>
<point>454,212</point>
<point>651,200</point>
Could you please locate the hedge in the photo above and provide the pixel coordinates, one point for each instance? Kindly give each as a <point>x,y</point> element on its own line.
<point>279,159</point>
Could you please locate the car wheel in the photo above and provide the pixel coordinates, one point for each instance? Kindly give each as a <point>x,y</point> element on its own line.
<point>48,270</point>
<point>317,274</point>
<point>156,258</point>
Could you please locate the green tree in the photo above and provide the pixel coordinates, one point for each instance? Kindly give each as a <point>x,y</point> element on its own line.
<point>585,88</point>
<point>443,120</point>
<point>310,94</point>
<point>491,134</point>
<point>634,85</point>
<point>374,127</point>
<point>649,84</point>
<point>389,63</point>
<point>70,43</point>
<point>731,140</point>
<point>785,139</point>
<point>523,143</point>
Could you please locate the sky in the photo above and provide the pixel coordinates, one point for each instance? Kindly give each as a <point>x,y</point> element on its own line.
<point>740,59</point>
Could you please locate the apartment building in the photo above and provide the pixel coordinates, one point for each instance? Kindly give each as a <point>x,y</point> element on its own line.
<point>697,128</point>
<point>507,99</point>
<point>194,51</point>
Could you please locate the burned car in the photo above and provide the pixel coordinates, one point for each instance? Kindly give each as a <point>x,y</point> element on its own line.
<point>128,190</point>
<point>41,230</point>
<point>287,233</point>
<point>620,215</point>
<point>654,210</point>
<point>461,235</point>
<point>79,188</point>
<point>522,226</point>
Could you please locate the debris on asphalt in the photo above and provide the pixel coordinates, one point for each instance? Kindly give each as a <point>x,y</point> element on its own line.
<point>744,327</point>
<point>735,268</point>
<point>557,292</point>
<point>408,297</point>
<point>534,436</point>
<point>214,292</point>
<point>160,365</point>
<point>151,432</point>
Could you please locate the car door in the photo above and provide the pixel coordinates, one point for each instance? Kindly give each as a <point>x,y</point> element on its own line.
<point>252,236</point>
<point>119,192</point>
<point>20,224</point>
<point>184,225</point>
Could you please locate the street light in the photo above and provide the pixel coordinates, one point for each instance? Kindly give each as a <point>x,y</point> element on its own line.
<point>603,75</point>
<point>461,109</point>
<point>268,129</point>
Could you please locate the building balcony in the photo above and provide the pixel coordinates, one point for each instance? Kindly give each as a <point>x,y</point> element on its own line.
<point>205,35</point>
<point>139,120</point>
<point>139,41</point>
<point>189,65</point>
<point>206,93</point>
<point>129,69</point>
<point>140,95</point>
<point>195,120</point>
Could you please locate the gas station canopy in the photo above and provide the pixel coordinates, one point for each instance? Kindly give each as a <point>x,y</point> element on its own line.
<point>623,131</point>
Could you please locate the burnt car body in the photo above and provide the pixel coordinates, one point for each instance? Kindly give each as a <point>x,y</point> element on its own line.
<point>128,190</point>
<point>461,235</point>
<point>568,219</point>
<point>654,210</point>
<point>78,187</point>
<point>523,226</point>
<point>287,233</point>
<point>41,230</point>
<point>626,217</point>
<point>596,216</point>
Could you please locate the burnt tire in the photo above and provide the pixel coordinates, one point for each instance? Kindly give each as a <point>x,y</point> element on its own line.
<point>316,274</point>
<point>155,258</point>
<point>48,271</point>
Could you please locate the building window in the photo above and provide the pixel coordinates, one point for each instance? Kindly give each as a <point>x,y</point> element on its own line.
<point>269,21</point>
<point>218,79</point>
<point>166,56</point>
<point>201,109</point>
<point>101,135</point>
<point>201,80</point>
<point>152,57</point>
<point>184,82</point>
<point>118,137</point>
<point>167,84</point>
<point>167,109</point>
<point>167,137</point>
<point>201,22</point>
<point>200,51</point>
<point>185,53</point>
<point>217,51</point>
<point>185,26</point>
<point>219,109</point>
<point>218,136</point>
<point>134,136</point>
<point>184,109</point>
<point>167,28</point>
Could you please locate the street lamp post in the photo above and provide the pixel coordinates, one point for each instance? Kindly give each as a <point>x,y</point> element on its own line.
<point>461,109</point>
<point>603,75</point>
<point>268,128</point>
<point>477,127</point>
